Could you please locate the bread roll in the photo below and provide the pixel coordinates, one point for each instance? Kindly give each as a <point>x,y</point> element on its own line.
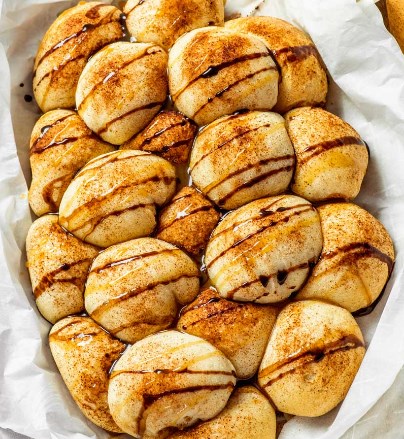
<point>84,354</point>
<point>356,260</point>
<point>58,264</point>
<point>262,252</point>
<point>213,72</point>
<point>304,80</point>
<point>164,21</point>
<point>188,221</point>
<point>61,144</point>
<point>134,288</point>
<point>168,381</point>
<point>239,330</point>
<point>114,197</point>
<point>248,414</point>
<point>170,135</point>
<point>312,357</point>
<point>395,14</point>
<point>331,156</point>
<point>121,89</point>
<point>237,159</point>
<point>76,35</point>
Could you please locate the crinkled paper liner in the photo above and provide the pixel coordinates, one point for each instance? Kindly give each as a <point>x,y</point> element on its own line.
<point>367,90</point>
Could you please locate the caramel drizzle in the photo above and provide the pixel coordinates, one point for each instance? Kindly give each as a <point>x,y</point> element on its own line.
<point>82,32</point>
<point>221,145</point>
<point>156,321</point>
<point>297,53</point>
<point>96,221</point>
<point>319,148</point>
<point>50,278</point>
<point>187,215</point>
<point>264,280</point>
<point>246,168</point>
<point>175,372</point>
<point>115,72</point>
<point>128,113</point>
<point>217,313</point>
<point>108,304</point>
<point>133,258</point>
<point>222,201</point>
<point>314,355</point>
<point>38,149</point>
<point>48,189</point>
<point>220,93</point>
<point>358,250</point>
<point>257,232</point>
<point>117,190</point>
<point>215,69</point>
<point>46,128</point>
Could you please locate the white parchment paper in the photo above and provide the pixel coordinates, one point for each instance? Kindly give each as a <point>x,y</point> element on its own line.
<point>367,90</point>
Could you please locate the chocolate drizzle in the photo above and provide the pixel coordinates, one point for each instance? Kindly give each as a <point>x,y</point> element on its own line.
<point>128,113</point>
<point>319,148</point>
<point>187,309</point>
<point>297,53</point>
<point>46,128</point>
<point>41,149</point>
<point>108,304</point>
<point>94,12</point>
<point>157,134</point>
<point>215,69</point>
<point>50,278</point>
<point>48,191</point>
<point>314,355</point>
<point>257,232</point>
<point>216,313</point>
<point>220,93</point>
<point>186,215</point>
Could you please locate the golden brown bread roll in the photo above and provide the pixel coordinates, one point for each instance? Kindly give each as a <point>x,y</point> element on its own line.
<point>168,381</point>
<point>134,288</point>
<point>58,264</point>
<point>164,21</point>
<point>237,159</point>
<point>304,80</point>
<point>312,357</point>
<point>84,354</point>
<point>248,414</point>
<point>170,135</point>
<point>121,88</point>
<point>262,252</point>
<point>188,221</point>
<point>114,197</point>
<point>61,144</point>
<point>76,35</point>
<point>239,330</point>
<point>356,260</point>
<point>213,71</point>
<point>395,14</point>
<point>331,156</point>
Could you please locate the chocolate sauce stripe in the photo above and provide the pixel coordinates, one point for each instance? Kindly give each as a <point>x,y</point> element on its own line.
<point>133,258</point>
<point>171,146</point>
<point>257,232</point>
<point>159,133</point>
<point>217,313</point>
<point>172,371</point>
<point>232,292</point>
<point>361,249</point>
<point>115,72</point>
<point>84,30</point>
<point>220,93</point>
<point>200,305</point>
<point>187,215</point>
<point>108,304</point>
<point>251,130</point>
<point>65,141</point>
<point>101,218</point>
<point>253,182</point>
<point>115,191</point>
<point>67,325</point>
<point>314,355</point>
<point>297,53</point>
<point>128,113</point>
<point>264,213</point>
<point>46,128</point>
<point>246,168</point>
<point>215,69</point>
<point>49,279</point>
<point>93,12</point>
<point>319,148</point>
<point>47,191</point>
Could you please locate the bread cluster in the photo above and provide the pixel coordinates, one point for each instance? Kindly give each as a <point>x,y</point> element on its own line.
<point>196,221</point>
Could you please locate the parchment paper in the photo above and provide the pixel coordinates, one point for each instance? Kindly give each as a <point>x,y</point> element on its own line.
<point>367,90</point>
